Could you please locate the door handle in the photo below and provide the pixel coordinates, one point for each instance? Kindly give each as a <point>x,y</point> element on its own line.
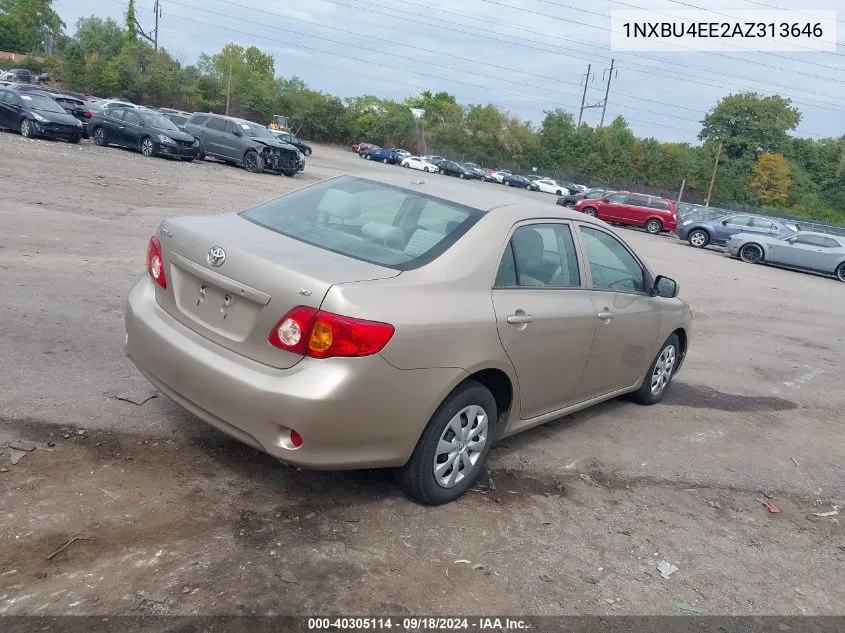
<point>605,314</point>
<point>516,319</point>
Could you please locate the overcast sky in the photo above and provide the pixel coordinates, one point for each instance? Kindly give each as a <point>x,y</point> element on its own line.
<point>526,56</point>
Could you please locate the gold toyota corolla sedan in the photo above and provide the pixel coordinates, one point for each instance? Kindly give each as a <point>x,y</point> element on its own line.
<point>399,321</point>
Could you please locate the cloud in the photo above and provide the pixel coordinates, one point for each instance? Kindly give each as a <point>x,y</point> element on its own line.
<point>526,56</point>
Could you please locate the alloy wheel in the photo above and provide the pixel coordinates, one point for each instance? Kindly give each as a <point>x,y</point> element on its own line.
<point>653,226</point>
<point>590,211</point>
<point>147,148</point>
<point>751,253</point>
<point>460,446</point>
<point>663,369</point>
<point>698,238</point>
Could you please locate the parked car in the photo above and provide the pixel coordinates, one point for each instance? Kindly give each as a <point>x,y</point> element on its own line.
<point>363,147</point>
<point>99,105</point>
<point>805,250</point>
<point>571,198</point>
<point>498,176</point>
<point>515,180</point>
<point>382,155</point>
<point>21,75</point>
<point>700,233</point>
<point>653,214</point>
<point>403,153</point>
<point>178,117</point>
<point>480,172</point>
<point>548,185</point>
<point>37,115</point>
<point>343,369</point>
<point>533,177</point>
<point>451,168</point>
<point>145,131</point>
<point>415,162</point>
<point>76,108</point>
<point>293,139</point>
<point>244,143</point>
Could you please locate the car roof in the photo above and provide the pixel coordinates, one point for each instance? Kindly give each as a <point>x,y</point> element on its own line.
<point>484,199</point>
<point>817,234</point>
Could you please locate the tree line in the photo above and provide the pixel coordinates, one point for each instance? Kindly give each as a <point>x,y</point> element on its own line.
<point>759,162</point>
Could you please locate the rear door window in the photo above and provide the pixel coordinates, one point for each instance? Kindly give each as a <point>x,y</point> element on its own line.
<point>762,223</point>
<point>636,201</point>
<point>540,256</point>
<point>657,203</point>
<point>216,124</point>
<point>367,220</point>
<point>738,220</point>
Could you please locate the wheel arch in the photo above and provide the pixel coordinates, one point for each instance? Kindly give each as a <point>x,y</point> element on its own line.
<point>657,218</point>
<point>683,341</point>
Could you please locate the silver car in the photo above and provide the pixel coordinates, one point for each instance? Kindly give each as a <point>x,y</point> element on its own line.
<point>805,250</point>
<point>399,321</point>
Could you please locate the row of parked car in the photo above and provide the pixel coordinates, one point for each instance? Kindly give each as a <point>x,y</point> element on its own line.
<point>464,170</point>
<point>752,238</point>
<point>36,111</point>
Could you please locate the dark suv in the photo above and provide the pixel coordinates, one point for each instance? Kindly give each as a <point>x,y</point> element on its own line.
<point>244,143</point>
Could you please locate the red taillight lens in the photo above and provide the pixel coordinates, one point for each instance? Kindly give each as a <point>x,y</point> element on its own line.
<point>155,262</point>
<point>89,114</point>
<point>322,334</point>
<point>295,439</point>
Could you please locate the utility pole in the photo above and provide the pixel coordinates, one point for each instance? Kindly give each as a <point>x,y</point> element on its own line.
<point>152,36</point>
<point>607,91</point>
<point>584,96</point>
<point>713,177</point>
<point>681,192</point>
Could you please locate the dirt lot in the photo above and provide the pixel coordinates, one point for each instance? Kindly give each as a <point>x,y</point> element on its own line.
<point>176,518</point>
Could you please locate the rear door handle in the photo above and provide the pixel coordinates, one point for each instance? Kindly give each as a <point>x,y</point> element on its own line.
<point>605,314</point>
<point>516,319</point>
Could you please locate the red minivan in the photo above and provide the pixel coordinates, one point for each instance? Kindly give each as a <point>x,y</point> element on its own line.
<point>653,214</point>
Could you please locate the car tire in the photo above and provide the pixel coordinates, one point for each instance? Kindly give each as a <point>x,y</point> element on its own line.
<point>699,238</point>
<point>840,272</point>
<point>200,149</point>
<point>660,373</point>
<point>751,253</point>
<point>76,139</point>
<point>558,192</point>
<point>590,211</point>
<point>253,162</point>
<point>27,129</point>
<point>472,409</point>
<point>568,205</point>
<point>147,147</point>
<point>307,151</point>
<point>384,160</point>
<point>654,227</point>
<point>506,183</point>
<point>99,136</point>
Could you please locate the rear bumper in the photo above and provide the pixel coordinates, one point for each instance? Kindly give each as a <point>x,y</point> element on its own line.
<point>350,412</point>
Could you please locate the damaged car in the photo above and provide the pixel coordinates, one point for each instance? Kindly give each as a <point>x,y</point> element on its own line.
<point>245,143</point>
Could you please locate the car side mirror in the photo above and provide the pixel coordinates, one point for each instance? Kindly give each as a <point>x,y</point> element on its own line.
<point>237,132</point>
<point>665,287</point>
<point>725,222</point>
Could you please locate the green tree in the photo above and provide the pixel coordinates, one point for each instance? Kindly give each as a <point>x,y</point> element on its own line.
<point>747,123</point>
<point>24,25</point>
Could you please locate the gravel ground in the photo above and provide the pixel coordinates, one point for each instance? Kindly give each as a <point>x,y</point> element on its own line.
<point>175,518</point>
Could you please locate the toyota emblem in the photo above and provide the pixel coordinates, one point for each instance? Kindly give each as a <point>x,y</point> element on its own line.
<point>216,256</point>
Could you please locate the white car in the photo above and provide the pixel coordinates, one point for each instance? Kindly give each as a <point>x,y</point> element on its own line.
<point>499,176</point>
<point>415,162</point>
<point>547,185</point>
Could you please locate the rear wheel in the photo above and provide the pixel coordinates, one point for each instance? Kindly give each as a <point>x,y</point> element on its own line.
<point>200,150</point>
<point>558,192</point>
<point>568,205</point>
<point>461,176</point>
<point>590,211</point>
<point>76,139</point>
<point>840,272</point>
<point>699,238</point>
<point>100,137</point>
<point>27,129</point>
<point>384,160</point>
<point>751,253</point>
<point>453,447</point>
<point>307,151</point>
<point>653,226</point>
<point>660,373</point>
<point>253,163</point>
<point>507,183</point>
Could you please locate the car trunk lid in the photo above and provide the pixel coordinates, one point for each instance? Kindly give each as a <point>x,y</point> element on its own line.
<point>259,275</point>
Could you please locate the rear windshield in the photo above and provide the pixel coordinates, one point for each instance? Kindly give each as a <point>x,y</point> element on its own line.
<point>377,223</point>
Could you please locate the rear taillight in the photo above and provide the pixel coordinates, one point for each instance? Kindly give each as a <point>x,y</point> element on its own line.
<point>320,334</point>
<point>89,114</point>
<point>155,262</point>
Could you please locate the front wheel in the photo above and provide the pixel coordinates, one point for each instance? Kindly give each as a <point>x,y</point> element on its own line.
<point>840,272</point>
<point>568,205</point>
<point>384,160</point>
<point>453,447</point>
<point>751,253</point>
<point>148,148</point>
<point>461,176</point>
<point>27,129</point>
<point>75,140</point>
<point>558,192</point>
<point>253,163</point>
<point>507,183</point>
<point>307,151</point>
<point>590,211</point>
<point>653,227</point>
<point>660,373</point>
<point>699,238</point>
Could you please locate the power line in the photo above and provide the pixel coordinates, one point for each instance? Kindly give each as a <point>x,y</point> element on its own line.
<point>662,73</point>
<point>771,6</point>
<point>609,30</point>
